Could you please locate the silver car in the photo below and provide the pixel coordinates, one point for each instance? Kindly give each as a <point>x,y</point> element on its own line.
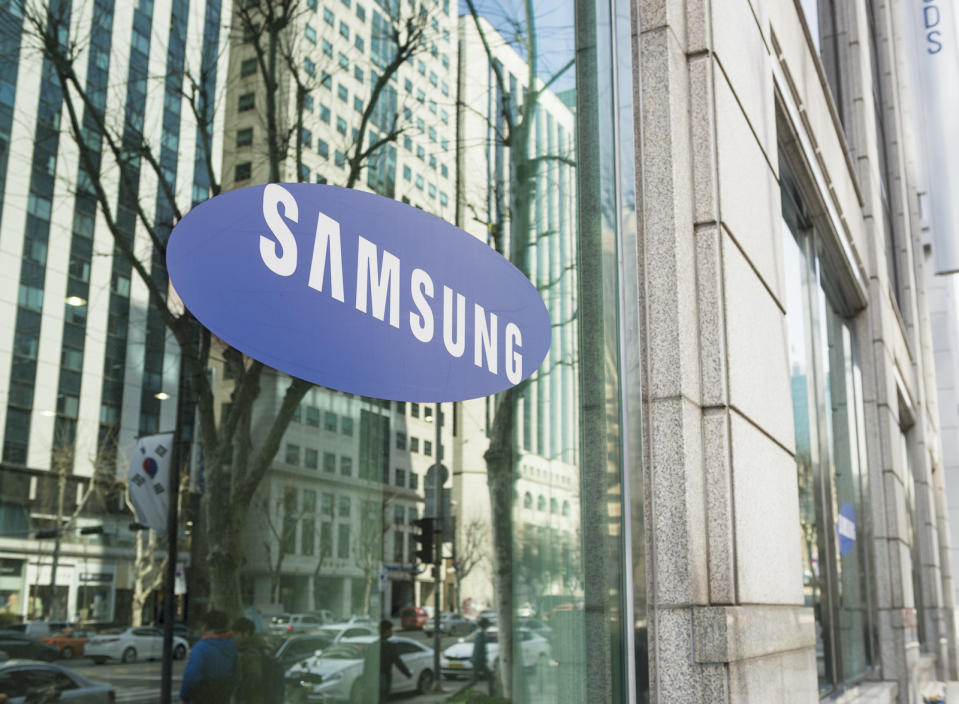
<point>28,680</point>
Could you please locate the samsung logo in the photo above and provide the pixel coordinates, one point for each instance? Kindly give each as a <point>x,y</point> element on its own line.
<point>358,292</point>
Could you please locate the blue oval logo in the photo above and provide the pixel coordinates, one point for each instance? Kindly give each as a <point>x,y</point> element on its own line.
<point>358,292</point>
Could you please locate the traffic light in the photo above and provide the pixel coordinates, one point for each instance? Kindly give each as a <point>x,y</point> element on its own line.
<point>425,539</point>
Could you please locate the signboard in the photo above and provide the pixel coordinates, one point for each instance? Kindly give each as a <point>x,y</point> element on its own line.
<point>932,25</point>
<point>149,480</point>
<point>358,293</point>
<point>100,577</point>
<point>846,528</point>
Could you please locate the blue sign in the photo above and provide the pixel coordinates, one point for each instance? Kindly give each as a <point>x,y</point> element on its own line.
<point>846,528</point>
<point>358,292</point>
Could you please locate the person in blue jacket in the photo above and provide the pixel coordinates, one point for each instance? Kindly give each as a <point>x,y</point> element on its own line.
<point>211,670</point>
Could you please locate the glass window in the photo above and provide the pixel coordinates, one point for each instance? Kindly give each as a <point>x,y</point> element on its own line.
<point>329,421</point>
<point>830,454</point>
<point>518,193</point>
<point>292,454</point>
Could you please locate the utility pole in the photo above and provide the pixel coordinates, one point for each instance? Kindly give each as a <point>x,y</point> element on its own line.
<point>438,557</point>
<point>172,534</point>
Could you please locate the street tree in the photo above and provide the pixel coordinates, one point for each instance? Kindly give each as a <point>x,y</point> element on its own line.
<point>512,233</point>
<point>238,446</point>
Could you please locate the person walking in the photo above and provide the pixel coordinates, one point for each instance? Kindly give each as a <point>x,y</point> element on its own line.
<point>252,665</point>
<point>378,664</point>
<point>211,669</point>
<point>479,662</point>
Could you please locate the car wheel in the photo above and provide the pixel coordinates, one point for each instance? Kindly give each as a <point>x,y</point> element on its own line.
<point>179,652</point>
<point>66,653</point>
<point>425,683</point>
<point>99,660</point>
<point>129,655</point>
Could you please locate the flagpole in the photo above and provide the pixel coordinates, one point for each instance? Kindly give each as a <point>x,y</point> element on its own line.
<point>169,582</point>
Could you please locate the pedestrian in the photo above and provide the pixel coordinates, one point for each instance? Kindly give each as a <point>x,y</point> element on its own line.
<point>211,669</point>
<point>385,651</point>
<point>251,664</point>
<point>480,666</point>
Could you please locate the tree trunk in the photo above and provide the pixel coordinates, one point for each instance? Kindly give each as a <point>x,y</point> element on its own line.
<point>500,462</point>
<point>225,556</point>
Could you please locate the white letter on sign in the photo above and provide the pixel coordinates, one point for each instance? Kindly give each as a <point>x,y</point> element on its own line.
<point>382,287</point>
<point>514,359</point>
<point>283,264</point>
<point>422,324</point>
<point>327,239</point>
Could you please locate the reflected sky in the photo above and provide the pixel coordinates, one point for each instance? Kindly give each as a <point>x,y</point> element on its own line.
<point>554,25</point>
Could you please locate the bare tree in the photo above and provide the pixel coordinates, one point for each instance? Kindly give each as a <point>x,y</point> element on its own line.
<point>511,236</point>
<point>236,459</point>
<point>469,550</point>
<point>279,540</point>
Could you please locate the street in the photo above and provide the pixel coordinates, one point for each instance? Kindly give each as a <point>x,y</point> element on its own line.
<point>136,682</point>
<point>140,682</point>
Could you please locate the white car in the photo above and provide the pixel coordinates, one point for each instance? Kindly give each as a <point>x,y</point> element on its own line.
<point>457,660</point>
<point>132,644</point>
<point>338,631</point>
<point>337,674</point>
<point>27,681</point>
<point>296,624</point>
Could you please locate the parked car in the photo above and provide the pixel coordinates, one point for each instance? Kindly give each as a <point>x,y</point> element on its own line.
<point>457,660</point>
<point>70,642</point>
<point>338,631</point>
<point>451,624</point>
<point>535,625</point>
<point>325,615</point>
<point>296,623</point>
<point>28,681</point>
<point>278,623</point>
<point>190,635</point>
<point>40,629</point>
<point>17,645</point>
<point>293,650</point>
<point>336,675</point>
<point>132,644</point>
<point>413,618</point>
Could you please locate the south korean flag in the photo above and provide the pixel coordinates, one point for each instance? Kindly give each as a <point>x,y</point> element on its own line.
<point>149,480</point>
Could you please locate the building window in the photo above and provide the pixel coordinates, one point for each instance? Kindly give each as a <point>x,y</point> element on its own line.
<point>346,426</point>
<point>248,67</point>
<point>428,448</point>
<point>400,477</point>
<point>827,403</point>
<point>346,466</point>
<point>329,421</point>
<point>414,444</point>
<point>245,102</point>
<point>311,458</point>
<point>329,463</point>
<point>244,137</point>
<point>242,171</point>
<point>310,34</point>
<point>313,416</point>
<point>293,454</point>
<point>400,441</point>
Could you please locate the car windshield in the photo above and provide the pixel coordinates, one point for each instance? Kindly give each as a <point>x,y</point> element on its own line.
<point>344,651</point>
<point>112,631</point>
